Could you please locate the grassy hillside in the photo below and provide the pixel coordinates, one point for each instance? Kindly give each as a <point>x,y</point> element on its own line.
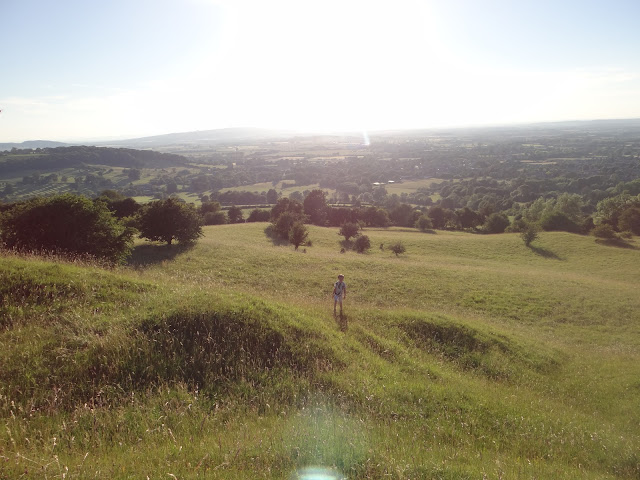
<point>467,357</point>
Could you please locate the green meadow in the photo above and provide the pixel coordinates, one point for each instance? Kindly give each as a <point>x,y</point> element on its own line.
<point>467,357</point>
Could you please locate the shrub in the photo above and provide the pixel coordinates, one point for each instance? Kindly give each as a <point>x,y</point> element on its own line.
<point>397,248</point>
<point>604,230</point>
<point>362,244</point>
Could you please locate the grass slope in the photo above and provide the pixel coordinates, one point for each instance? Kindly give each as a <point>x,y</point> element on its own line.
<point>467,357</point>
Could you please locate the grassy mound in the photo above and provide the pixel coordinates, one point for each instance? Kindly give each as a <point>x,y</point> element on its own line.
<point>496,355</point>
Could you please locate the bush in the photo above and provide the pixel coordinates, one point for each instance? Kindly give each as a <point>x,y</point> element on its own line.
<point>604,230</point>
<point>66,224</point>
<point>362,244</point>
<point>397,248</point>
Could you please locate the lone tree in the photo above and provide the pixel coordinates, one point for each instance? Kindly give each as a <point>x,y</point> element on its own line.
<point>348,230</point>
<point>298,234</point>
<point>397,248</point>
<point>529,234</point>
<point>66,224</point>
<point>168,220</point>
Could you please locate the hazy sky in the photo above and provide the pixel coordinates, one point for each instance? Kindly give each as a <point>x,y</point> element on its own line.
<point>72,70</point>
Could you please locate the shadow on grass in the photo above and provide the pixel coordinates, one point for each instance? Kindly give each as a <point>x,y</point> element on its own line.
<point>616,242</point>
<point>151,254</point>
<point>543,252</point>
<point>347,244</point>
<point>341,321</point>
<point>273,236</point>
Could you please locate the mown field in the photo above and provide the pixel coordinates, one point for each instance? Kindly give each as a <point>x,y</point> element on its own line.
<point>467,357</point>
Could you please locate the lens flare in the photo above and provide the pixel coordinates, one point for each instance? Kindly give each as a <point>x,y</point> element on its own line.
<point>316,473</point>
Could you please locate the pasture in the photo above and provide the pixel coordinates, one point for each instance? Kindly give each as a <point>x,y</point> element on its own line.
<point>469,356</point>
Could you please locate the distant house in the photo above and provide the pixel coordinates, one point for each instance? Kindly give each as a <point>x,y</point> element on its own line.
<point>391,181</point>
<point>377,184</point>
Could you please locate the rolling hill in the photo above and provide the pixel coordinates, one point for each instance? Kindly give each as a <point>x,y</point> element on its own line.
<point>467,357</point>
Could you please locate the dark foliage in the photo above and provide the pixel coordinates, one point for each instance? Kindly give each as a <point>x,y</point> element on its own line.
<point>66,224</point>
<point>168,220</point>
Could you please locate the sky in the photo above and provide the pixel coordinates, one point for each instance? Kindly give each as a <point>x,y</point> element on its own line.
<point>75,70</point>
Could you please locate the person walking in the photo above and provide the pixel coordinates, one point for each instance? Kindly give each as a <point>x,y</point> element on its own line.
<point>339,293</point>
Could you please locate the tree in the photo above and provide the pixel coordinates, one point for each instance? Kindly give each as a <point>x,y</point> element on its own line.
<point>235,215</point>
<point>423,223</point>
<point>348,230</point>
<point>286,205</point>
<point>397,248</point>
<point>315,206</point>
<point>282,226</point>
<point>272,196</point>
<point>529,234</point>
<point>66,224</point>
<point>630,220</point>
<point>298,234</point>
<point>496,223</point>
<point>172,187</point>
<point>439,217</point>
<point>375,217</point>
<point>168,220</point>
<point>362,244</point>
<point>467,218</point>
<point>401,215</point>
<point>134,174</point>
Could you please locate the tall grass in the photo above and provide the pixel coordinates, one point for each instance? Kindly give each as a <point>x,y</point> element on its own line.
<point>467,357</point>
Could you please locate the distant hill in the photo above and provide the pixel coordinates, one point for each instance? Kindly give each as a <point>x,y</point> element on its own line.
<point>204,137</point>
<point>32,144</point>
<point>73,156</point>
